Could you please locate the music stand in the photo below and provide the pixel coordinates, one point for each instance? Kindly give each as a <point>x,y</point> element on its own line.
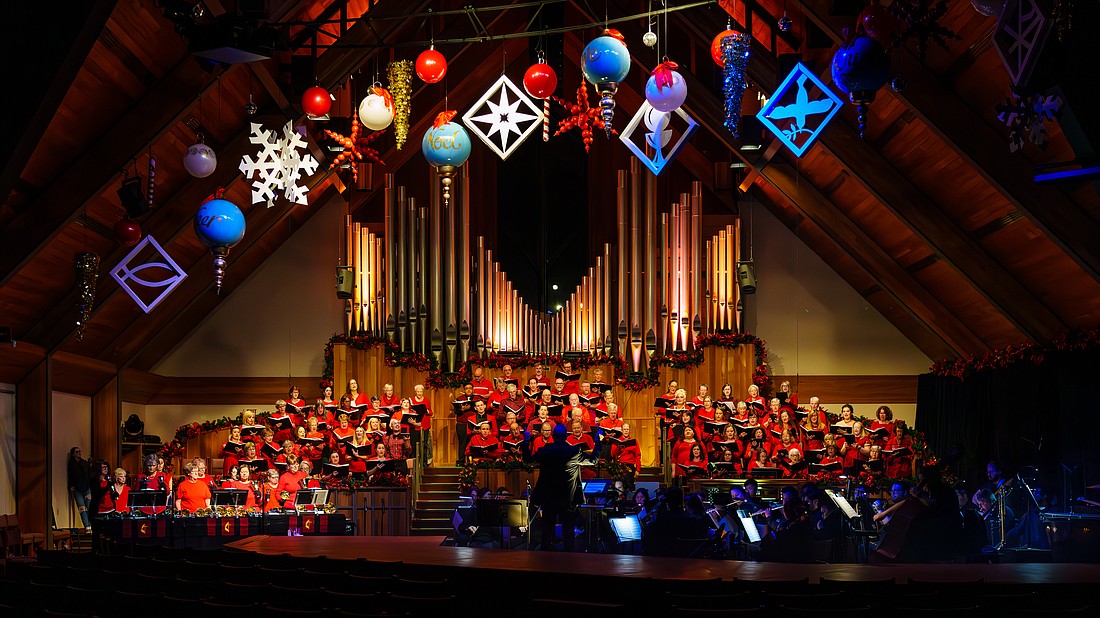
<point>309,497</point>
<point>503,514</point>
<point>595,487</point>
<point>627,529</point>
<point>235,498</point>
<point>146,498</point>
<point>752,533</point>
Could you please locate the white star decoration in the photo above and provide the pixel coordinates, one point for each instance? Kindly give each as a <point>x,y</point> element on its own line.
<point>503,116</point>
<point>278,165</point>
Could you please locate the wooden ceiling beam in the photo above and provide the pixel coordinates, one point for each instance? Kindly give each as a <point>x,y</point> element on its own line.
<point>165,105</point>
<point>985,149</point>
<point>92,19</point>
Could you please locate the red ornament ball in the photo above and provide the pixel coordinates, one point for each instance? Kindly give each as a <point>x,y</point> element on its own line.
<point>716,47</point>
<point>431,66</point>
<point>540,80</point>
<point>878,23</point>
<point>127,232</point>
<point>316,102</point>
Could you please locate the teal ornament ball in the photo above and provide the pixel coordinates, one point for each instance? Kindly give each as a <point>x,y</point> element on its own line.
<point>448,144</point>
<point>219,223</point>
<point>605,60</point>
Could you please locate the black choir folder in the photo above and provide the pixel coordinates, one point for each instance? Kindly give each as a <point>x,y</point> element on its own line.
<point>293,409</point>
<point>568,377</point>
<point>256,465</point>
<point>829,467</point>
<point>336,469</point>
<point>281,422</point>
<point>898,452</point>
<point>252,430</point>
<point>271,449</point>
<point>483,451</point>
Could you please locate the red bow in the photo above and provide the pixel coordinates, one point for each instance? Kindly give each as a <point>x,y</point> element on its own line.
<point>611,32</point>
<point>663,74</point>
<point>385,94</point>
<point>444,117</point>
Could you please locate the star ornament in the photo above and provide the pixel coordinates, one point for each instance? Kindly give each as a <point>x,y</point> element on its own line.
<point>356,146</point>
<point>503,117</point>
<point>581,116</point>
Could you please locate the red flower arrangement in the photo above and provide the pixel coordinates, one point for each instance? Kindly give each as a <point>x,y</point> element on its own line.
<point>1034,353</point>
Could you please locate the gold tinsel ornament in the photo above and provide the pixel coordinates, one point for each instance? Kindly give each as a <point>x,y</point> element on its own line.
<point>87,272</point>
<point>400,75</point>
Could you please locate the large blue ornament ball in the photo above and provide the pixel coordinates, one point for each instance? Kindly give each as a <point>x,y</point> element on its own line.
<point>862,65</point>
<point>605,59</point>
<point>219,223</point>
<point>446,145</point>
<point>666,99</point>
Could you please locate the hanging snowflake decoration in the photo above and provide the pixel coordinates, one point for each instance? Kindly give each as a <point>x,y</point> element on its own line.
<point>920,20</point>
<point>279,165</point>
<point>581,116</point>
<point>355,148</point>
<point>1025,116</point>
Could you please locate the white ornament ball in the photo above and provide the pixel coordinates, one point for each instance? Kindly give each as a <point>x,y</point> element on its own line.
<point>649,39</point>
<point>374,113</point>
<point>200,160</point>
<point>669,98</point>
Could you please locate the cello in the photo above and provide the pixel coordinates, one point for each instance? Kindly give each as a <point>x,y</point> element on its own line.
<point>896,531</point>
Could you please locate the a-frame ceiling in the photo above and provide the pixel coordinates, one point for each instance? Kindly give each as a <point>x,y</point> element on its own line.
<point>929,216</point>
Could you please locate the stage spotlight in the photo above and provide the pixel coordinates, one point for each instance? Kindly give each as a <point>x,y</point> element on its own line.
<point>133,429</point>
<point>746,277</point>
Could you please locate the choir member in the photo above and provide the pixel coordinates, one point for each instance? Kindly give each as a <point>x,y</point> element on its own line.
<point>515,445</point>
<point>696,464</point>
<point>396,444</point>
<point>542,417</point>
<point>153,480</point>
<point>283,431</point>
<point>419,399</point>
<point>513,402</point>
<point>347,407</point>
<point>533,391</point>
<point>815,409</point>
<point>545,437</point>
<point>248,421</point>
<point>727,440</point>
<point>480,416</point>
<point>483,439</point>
<point>357,451</point>
<point>295,400</point>
<point>290,481</point>
<point>684,419</point>
<point>860,446</point>
<point>898,452</point>
<point>700,395</point>
<point>357,398</point>
<point>269,491</point>
<point>785,422</point>
<point>626,450</point>
<point>742,416</point>
<point>612,420</point>
<point>497,397</point>
<point>847,422</point>
<point>681,447</point>
<point>506,375</point>
<point>322,412</point>
<point>772,415</point>
<point>342,433</point>
<point>192,493</point>
<point>760,460</point>
<point>244,482</point>
<point>753,398</point>
<point>559,390</point>
<point>203,476</point>
<point>571,386</point>
<point>726,456</point>
<point>462,430</point>
<point>786,397</point>
<point>792,469</point>
<point>726,394</point>
<point>541,380</point>
<point>327,397</point>
<point>313,451</point>
<point>781,448</point>
<point>579,437</point>
<point>884,421</point>
<point>233,449</point>
<point>481,385</point>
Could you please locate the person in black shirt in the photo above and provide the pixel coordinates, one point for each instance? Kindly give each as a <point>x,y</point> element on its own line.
<point>80,471</point>
<point>676,531</point>
<point>558,490</point>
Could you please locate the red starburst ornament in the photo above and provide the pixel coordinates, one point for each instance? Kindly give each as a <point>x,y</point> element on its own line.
<point>581,116</point>
<point>355,147</point>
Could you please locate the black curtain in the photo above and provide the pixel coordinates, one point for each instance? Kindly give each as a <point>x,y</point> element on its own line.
<point>1044,415</point>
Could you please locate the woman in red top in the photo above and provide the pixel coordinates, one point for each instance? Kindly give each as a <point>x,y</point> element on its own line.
<point>725,455</point>
<point>705,411</point>
<point>696,462</point>
<point>244,481</point>
<point>269,491</point>
<point>419,399</point>
<point>681,448</point>
<point>357,398</point>
<point>326,397</point>
<point>756,403</point>
<point>900,465</point>
<point>781,448</point>
<point>760,460</point>
<point>322,414</point>
<point>860,449</point>
<point>356,454</point>
<point>192,493</point>
<point>295,400</point>
<point>233,449</point>
<point>116,496</point>
<point>341,433</point>
<point>315,450</point>
<point>152,480</point>
<point>884,419</point>
<point>290,481</point>
<point>786,423</point>
<point>792,471</point>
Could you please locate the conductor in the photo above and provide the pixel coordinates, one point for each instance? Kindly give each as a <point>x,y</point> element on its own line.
<point>558,490</point>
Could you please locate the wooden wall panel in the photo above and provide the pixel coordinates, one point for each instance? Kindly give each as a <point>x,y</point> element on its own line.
<point>106,421</point>
<point>853,389</point>
<point>33,465</point>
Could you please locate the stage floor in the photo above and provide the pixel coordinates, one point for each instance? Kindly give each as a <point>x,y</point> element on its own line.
<point>428,551</point>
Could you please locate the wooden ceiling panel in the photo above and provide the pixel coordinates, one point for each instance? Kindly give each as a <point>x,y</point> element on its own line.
<point>975,311</point>
<point>151,39</point>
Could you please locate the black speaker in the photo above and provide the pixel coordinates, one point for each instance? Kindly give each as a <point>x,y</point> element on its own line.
<point>133,197</point>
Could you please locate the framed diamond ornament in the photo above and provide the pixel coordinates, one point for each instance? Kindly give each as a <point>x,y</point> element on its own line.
<point>502,111</point>
<point>148,274</point>
<point>800,109</point>
<point>651,132</point>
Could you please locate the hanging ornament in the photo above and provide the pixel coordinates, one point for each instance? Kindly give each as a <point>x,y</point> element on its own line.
<point>446,145</point>
<point>989,8</point>
<point>716,46</point>
<point>785,23</point>
<point>279,164</point>
<point>653,149</point>
<point>649,39</point>
<point>250,108</point>
<point>400,76</point>
<point>735,63</point>
<point>152,177</point>
<point>500,113</point>
<point>431,66</point>
<point>899,83</point>
<point>127,232</point>
<point>920,20</point>
<point>581,116</point>
<point>316,102</point>
<point>87,272</point>
<point>666,89</point>
<point>605,63</point>
<point>200,160</point>
<point>878,23</point>
<point>1025,117</point>
<point>540,80</point>
<point>860,68</point>
<point>148,274</point>
<point>376,109</point>
<point>219,225</point>
<point>356,147</point>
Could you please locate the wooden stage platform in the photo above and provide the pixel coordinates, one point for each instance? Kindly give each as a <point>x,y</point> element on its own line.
<point>428,551</point>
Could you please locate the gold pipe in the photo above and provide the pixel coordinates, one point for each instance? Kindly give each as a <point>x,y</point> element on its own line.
<point>674,282</point>
<point>609,325</point>
<point>685,274</point>
<point>349,243</point>
<point>622,317</point>
<point>450,255</point>
<point>490,311</point>
<point>409,249</point>
<point>652,252</point>
<point>733,305</point>
<point>389,232</point>
<point>382,316</point>
<point>424,268</point>
<point>597,304</point>
<point>708,293</point>
<point>637,205</point>
<point>463,256</point>
<point>668,279</point>
<point>697,265</point>
<point>359,279</point>
<point>398,302</point>
<point>720,287</point>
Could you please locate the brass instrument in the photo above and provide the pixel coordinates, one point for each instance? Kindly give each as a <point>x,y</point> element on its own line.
<point>329,508</point>
<point>284,495</point>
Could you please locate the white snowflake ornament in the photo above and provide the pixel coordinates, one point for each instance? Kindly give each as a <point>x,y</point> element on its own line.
<point>279,165</point>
